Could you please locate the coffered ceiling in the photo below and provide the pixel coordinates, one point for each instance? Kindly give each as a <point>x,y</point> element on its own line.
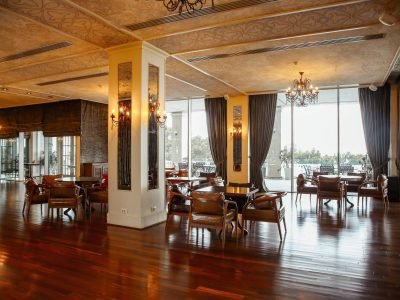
<point>235,48</point>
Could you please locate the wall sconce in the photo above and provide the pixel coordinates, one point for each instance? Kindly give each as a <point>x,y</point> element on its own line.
<point>124,115</point>
<point>237,129</point>
<point>154,107</point>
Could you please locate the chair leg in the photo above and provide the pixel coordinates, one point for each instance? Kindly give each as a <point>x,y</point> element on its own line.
<point>188,233</point>
<point>297,195</point>
<point>284,223</point>
<point>279,229</point>
<point>223,235</point>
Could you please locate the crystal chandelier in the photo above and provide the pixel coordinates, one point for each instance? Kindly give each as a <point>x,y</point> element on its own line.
<point>302,92</point>
<point>189,5</point>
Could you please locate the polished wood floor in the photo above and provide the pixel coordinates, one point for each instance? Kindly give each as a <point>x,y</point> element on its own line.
<point>323,256</point>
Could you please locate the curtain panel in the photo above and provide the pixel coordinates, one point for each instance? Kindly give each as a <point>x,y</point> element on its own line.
<point>375,114</point>
<point>262,110</point>
<point>216,111</point>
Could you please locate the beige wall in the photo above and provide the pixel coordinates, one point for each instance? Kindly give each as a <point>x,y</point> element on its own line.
<point>243,175</point>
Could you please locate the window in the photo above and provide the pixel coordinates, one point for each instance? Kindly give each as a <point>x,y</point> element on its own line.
<point>187,147</point>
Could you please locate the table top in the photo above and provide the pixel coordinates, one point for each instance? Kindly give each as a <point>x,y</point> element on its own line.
<point>186,179</point>
<point>78,179</point>
<point>343,177</point>
<point>230,191</point>
<point>31,164</point>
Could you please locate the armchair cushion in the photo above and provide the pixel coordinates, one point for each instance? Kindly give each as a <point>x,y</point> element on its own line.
<point>263,202</point>
<point>208,219</point>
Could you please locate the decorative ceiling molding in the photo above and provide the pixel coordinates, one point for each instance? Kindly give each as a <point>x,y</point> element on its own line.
<point>35,51</point>
<point>198,13</point>
<point>69,19</point>
<point>73,79</point>
<point>218,23</point>
<point>352,39</point>
<point>357,15</point>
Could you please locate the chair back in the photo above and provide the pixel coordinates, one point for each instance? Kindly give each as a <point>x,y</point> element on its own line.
<point>240,184</point>
<point>300,181</point>
<point>63,190</point>
<point>180,188</point>
<point>329,184</point>
<point>50,180</point>
<point>382,182</point>
<point>208,203</point>
<point>104,182</point>
<point>208,175</point>
<point>31,187</point>
<point>363,176</point>
<point>183,173</point>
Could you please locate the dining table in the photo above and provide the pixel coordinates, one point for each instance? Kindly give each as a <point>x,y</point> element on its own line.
<point>190,180</point>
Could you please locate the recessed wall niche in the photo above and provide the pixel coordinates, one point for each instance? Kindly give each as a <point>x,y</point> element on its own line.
<point>153,99</point>
<point>237,138</point>
<point>124,125</point>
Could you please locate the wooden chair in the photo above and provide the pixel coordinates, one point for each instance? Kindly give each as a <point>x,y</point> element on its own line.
<point>64,195</point>
<point>330,188</point>
<point>178,201</point>
<point>266,208</point>
<point>304,188</point>
<point>34,194</point>
<point>315,175</point>
<point>183,173</point>
<point>49,181</point>
<point>98,193</point>
<point>352,185</point>
<point>210,210</point>
<point>379,189</point>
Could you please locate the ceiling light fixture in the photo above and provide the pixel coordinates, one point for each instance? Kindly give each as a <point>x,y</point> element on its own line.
<point>387,19</point>
<point>372,87</point>
<point>189,5</point>
<point>302,92</point>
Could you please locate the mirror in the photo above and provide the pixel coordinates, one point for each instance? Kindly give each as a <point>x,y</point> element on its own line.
<point>237,138</point>
<point>124,125</point>
<point>153,98</point>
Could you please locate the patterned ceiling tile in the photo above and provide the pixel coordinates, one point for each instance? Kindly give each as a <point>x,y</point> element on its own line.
<point>20,34</point>
<point>276,27</point>
<point>186,73</point>
<point>83,62</point>
<point>69,19</point>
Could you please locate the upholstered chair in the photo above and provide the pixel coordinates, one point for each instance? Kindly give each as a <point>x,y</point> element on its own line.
<point>330,188</point>
<point>352,185</point>
<point>315,175</point>
<point>266,208</point>
<point>64,195</point>
<point>305,186</point>
<point>375,189</point>
<point>210,210</point>
<point>34,194</point>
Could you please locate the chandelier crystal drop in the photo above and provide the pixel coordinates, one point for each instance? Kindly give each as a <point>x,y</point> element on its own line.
<point>302,93</point>
<point>189,5</point>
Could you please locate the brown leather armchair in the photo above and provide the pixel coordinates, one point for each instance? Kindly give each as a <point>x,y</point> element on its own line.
<point>210,210</point>
<point>330,188</point>
<point>266,208</point>
<point>34,194</point>
<point>378,190</point>
<point>354,184</point>
<point>178,200</point>
<point>304,188</point>
<point>64,195</point>
<point>315,175</point>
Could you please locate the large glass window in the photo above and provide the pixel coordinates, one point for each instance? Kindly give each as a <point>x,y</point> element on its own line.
<point>187,147</point>
<point>61,157</point>
<point>316,134</point>
<point>9,154</point>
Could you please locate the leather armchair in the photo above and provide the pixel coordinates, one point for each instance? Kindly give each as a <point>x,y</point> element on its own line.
<point>304,188</point>
<point>64,195</point>
<point>379,189</point>
<point>354,184</point>
<point>210,210</point>
<point>330,188</point>
<point>34,194</point>
<point>266,208</point>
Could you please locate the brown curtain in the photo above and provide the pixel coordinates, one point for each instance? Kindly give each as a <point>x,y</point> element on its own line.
<point>375,114</point>
<point>8,123</point>
<point>62,118</point>
<point>216,126</point>
<point>29,118</point>
<point>262,110</point>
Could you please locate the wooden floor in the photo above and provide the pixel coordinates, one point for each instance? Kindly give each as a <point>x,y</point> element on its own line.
<point>323,256</point>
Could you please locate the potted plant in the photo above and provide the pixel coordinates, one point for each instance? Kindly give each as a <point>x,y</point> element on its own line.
<point>285,163</point>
